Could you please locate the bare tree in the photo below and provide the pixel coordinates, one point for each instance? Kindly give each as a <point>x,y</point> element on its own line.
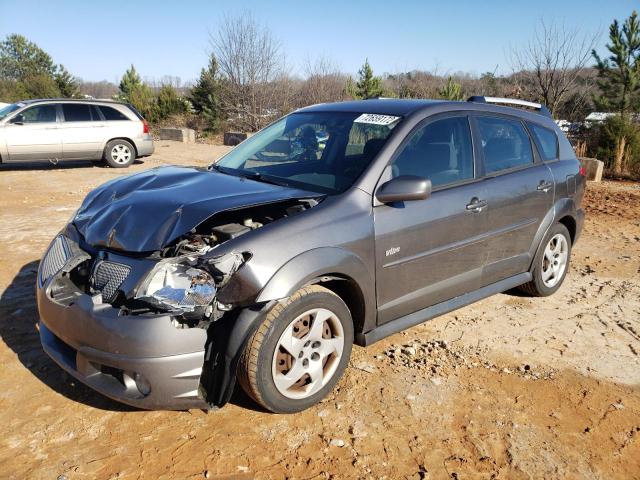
<point>250,61</point>
<point>324,82</point>
<point>551,63</point>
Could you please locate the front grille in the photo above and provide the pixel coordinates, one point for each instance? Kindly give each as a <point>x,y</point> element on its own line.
<point>107,278</point>
<point>54,259</point>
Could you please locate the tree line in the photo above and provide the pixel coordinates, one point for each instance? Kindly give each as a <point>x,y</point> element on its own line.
<point>247,83</point>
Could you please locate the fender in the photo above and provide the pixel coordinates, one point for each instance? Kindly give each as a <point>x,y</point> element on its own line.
<point>319,262</point>
<point>560,209</point>
<point>225,342</point>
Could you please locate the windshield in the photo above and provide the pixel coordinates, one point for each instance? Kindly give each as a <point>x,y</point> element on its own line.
<point>323,152</point>
<point>6,110</point>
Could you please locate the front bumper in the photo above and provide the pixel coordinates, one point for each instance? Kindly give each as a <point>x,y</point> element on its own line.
<point>140,360</point>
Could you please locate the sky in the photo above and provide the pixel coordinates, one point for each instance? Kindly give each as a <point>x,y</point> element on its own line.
<point>98,40</point>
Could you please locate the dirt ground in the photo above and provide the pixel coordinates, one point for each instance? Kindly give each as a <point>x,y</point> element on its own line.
<point>511,387</point>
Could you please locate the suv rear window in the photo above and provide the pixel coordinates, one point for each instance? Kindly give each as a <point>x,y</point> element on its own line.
<point>111,113</point>
<point>505,144</point>
<point>547,141</point>
<point>76,112</point>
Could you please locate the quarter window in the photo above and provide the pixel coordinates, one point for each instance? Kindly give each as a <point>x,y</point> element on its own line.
<point>440,151</point>
<point>547,141</point>
<point>505,144</point>
<point>39,114</point>
<point>76,112</point>
<point>111,113</point>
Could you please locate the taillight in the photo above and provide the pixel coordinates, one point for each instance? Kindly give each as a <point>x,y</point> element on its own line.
<point>582,172</point>
<point>145,126</point>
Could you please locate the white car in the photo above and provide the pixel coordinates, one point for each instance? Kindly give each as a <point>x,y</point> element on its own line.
<point>66,129</point>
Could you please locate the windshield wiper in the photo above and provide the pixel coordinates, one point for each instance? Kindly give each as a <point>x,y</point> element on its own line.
<point>251,175</point>
<point>261,177</point>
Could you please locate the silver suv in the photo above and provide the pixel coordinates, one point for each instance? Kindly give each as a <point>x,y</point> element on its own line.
<point>65,129</point>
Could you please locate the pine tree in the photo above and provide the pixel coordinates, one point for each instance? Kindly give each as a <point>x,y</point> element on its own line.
<point>138,94</point>
<point>367,86</point>
<point>205,94</point>
<point>20,58</point>
<point>67,83</point>
<point>130,82</point>
<point>619,74</point>
<point>28,71</point>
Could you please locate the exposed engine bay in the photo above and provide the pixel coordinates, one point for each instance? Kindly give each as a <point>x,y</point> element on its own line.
<point>185,277</point>
<point>232,224</point>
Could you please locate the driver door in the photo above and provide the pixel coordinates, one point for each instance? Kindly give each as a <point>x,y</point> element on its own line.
<point>33,134</point>
<point>432,250</point>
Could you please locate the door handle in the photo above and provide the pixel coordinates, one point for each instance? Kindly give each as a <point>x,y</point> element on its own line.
<point>544,186</point>
<point>476,205</point>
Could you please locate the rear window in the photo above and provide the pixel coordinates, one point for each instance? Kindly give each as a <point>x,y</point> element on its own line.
<point>133,109</point>
<point>111,113</point>
<point>547,141</point>
<point>505,144</point>
<point>76,112</point>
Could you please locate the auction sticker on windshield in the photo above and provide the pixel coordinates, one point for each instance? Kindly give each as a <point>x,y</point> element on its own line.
<point>376,119</point>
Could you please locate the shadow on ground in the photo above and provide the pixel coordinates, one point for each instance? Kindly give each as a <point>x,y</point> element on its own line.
<point>18,330</point>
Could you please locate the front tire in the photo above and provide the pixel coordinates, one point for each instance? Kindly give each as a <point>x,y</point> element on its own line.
<point>551,263</point>
<point>119,153</point>
<point>298,354</point>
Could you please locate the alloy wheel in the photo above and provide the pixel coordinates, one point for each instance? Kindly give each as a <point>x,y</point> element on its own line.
<point>308,353</point>
<point>554,260</point>
<point>121,154</point>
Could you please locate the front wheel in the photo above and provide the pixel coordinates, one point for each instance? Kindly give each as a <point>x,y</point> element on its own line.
<point>119,153</point>
<point>299,352</point>
<point>551,263</point>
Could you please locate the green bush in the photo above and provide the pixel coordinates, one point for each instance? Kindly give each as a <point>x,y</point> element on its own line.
<point>169,103</point>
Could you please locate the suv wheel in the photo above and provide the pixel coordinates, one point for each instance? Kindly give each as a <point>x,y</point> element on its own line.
<point>119,153</point>
<point>551,263</point>
<point>299,352</point>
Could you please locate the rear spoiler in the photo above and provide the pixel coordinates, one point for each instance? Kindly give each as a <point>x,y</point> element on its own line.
<point>541,109</point>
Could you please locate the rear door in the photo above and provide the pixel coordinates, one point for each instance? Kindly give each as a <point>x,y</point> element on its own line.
<point>431,250</point>
<point>520,191</point>
<point>82,131</point>
<point>33,134</point>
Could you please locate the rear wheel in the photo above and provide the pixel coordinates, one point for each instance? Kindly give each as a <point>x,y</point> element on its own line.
<point>299,352</point>
<point>551,263</point>
<point>119,153</point>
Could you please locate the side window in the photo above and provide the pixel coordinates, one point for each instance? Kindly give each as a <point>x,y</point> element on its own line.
<point>76,112</point>
<point>95,113</point>
<point>505,144</point>
<point>547,141</point>
<point>111,113</point>
<point>40,114</point>
<point>440,151</point>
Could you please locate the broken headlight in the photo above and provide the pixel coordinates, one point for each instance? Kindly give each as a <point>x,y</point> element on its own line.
<point>175,286</point>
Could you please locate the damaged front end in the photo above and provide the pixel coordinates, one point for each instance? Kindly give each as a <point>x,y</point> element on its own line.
<point>186,287</point>
<point>147,328</point>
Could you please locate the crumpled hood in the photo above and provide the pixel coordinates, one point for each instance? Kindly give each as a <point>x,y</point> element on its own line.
<point>146,211</point>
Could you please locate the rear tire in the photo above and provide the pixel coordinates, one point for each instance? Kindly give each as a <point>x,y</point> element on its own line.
<point>298,354</point>
<point>551,263</point>
<point>119,153</point>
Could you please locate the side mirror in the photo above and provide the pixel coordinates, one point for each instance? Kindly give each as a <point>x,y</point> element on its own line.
<point>404,189</point>
<point>17,120</point>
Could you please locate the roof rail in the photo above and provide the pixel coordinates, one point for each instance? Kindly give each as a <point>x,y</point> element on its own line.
<point>542,109</point>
